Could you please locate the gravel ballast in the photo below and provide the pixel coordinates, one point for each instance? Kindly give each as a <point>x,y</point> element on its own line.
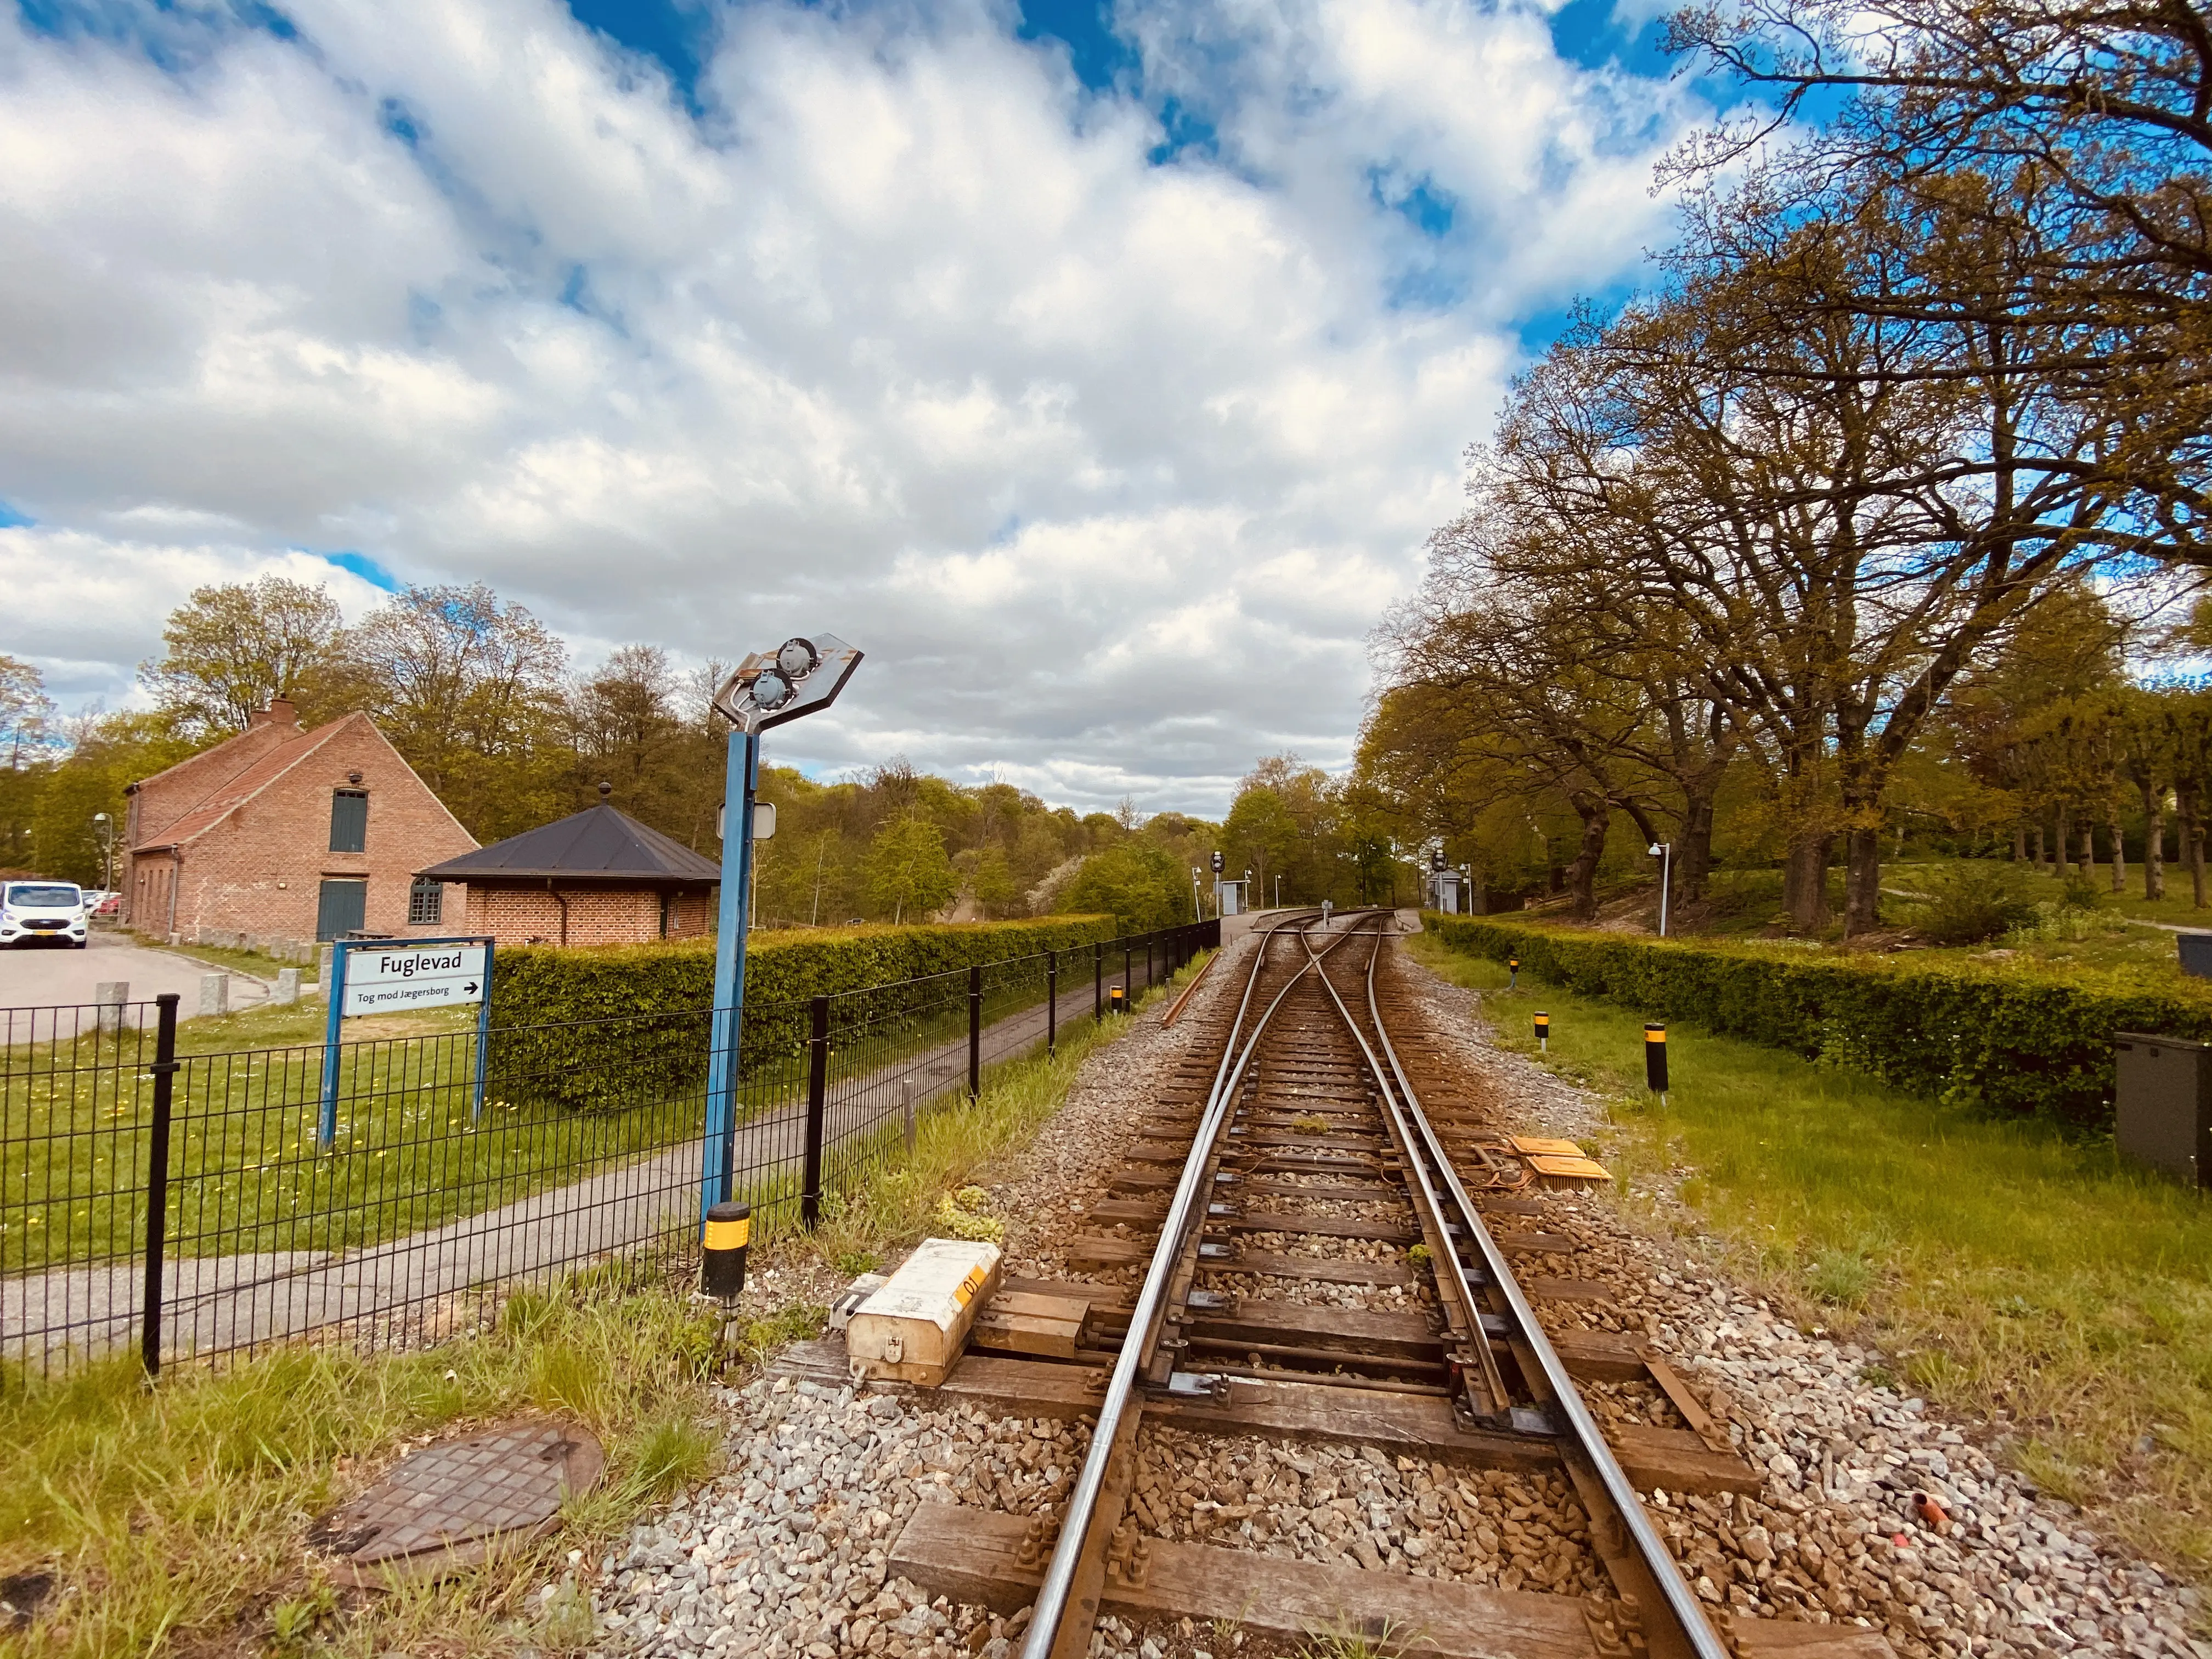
<point>1874,1509</point>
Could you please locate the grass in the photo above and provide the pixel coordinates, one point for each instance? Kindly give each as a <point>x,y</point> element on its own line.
<point>174,1517</point>
<point>2014,1276</point>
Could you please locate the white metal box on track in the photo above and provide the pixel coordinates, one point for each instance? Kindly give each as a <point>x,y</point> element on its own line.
<point>913,1328</point>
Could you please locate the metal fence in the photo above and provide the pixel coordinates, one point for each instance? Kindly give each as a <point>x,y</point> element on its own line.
<point>180,1200</point>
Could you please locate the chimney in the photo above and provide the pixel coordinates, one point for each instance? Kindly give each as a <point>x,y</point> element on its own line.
<point>280,712</point>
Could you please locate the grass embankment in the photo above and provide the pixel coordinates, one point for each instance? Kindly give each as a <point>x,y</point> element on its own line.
<point>2011,1273</point>
<point>175,1519</point>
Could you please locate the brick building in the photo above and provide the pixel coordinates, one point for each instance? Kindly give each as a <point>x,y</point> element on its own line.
<point>597,877</point>
<point>279,837</point>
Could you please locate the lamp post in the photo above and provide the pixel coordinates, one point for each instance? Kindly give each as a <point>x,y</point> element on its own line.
<point>1664,852</point>
<point>1278,890</point>
<point>1197,910</point>
<point>105,831</point>
<point>800,677</point>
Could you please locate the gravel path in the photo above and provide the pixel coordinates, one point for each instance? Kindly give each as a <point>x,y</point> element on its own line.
<point>784,1553</point>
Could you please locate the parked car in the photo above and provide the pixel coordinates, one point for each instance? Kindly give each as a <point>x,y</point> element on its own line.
<point>42,913</point>
<point>111,904</point>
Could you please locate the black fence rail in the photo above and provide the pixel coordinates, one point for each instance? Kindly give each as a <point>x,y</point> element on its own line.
<point>182,1202</point>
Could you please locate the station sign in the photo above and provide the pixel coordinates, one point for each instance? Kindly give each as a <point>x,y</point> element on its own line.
<point>381,980</point>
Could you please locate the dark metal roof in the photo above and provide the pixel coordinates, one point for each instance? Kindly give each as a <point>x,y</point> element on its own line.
<point>597,844</point>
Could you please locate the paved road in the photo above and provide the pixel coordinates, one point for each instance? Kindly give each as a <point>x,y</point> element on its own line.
<point>45,977</point>
<point>215,1303</point>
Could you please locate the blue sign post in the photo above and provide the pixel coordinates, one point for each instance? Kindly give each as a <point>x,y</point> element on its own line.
<point>768,687</point>
<point>394,975</point>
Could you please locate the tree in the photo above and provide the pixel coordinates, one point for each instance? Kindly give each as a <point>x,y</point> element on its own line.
<point>27,715</point>
<point>468,688</point>
<point>637,723</point>
<point>112,751</point>
<point>235,647</point>
<point>993,884</point>
<point>907,869</point>
<point>2073,140</point>
<point>1138,883</point>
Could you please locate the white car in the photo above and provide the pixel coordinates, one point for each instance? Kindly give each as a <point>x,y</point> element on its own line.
<point>41,913</point>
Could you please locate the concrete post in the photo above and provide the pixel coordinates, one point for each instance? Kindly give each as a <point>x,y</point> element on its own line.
<point>287,986</point>
<point>215,994</point>
<point>110,994</point>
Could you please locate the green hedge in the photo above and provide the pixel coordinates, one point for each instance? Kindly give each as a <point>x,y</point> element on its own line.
<point>2012,1040</point>
<point>626,1024</point>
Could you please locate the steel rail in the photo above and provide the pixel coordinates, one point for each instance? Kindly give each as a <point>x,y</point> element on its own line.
<point>1421,1186</point>
<point>1051,1603</point>
<point>1589,1439</point>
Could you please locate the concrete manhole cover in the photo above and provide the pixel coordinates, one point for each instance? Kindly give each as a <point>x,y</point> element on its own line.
<point>443,1507</point>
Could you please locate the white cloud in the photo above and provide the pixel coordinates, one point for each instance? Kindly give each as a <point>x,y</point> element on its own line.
<point>1108,465</point>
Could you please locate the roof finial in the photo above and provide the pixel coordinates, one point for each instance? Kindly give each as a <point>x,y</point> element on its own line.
<point>605,789</point>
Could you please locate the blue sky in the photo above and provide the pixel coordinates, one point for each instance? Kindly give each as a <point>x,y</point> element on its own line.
<point>1101,371</point>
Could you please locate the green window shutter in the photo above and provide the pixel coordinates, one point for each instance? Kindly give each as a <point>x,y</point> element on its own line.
<point>349,821</point>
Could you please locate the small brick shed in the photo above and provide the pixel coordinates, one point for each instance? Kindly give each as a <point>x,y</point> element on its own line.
<point>597,876</point>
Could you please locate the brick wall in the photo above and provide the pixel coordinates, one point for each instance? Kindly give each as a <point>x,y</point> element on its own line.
<point>258,872</point>
<point>595,915</point>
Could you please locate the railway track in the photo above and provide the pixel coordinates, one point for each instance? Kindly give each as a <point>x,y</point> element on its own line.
<point>1315,1238</point>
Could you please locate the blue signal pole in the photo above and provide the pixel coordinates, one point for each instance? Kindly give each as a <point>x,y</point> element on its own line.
<point>741,784</point>
<point>800,677</point>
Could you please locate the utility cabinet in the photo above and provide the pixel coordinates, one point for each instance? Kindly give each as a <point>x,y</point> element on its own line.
<point>2163,1103</point>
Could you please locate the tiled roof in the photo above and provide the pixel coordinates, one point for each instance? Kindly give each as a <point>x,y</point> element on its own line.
<point>597,844</point>
<point>243,786</point>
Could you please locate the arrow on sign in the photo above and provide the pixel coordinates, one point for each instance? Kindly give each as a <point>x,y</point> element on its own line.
<point>470,987</point>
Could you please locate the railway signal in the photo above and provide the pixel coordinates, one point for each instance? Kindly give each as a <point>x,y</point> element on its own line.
<point>801,676</point>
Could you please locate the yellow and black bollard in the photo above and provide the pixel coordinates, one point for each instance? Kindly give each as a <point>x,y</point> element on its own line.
<point>1512,972</point>
<point>722,1247</point>
<point>1655,1060</point>
<point>1117,1000</point>
<point>1544,1033</point>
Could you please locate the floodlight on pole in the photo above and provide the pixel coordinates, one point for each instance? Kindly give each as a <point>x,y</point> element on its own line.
<point>768,687</point>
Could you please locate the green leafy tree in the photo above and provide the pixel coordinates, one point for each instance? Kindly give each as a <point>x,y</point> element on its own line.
<point>1138,883</point>
<point>112,752</point>
<point>907,868</point>
<point>469,689</point>
<point>233,647</point>
<point>27,715</point>
<point>993,884</point>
